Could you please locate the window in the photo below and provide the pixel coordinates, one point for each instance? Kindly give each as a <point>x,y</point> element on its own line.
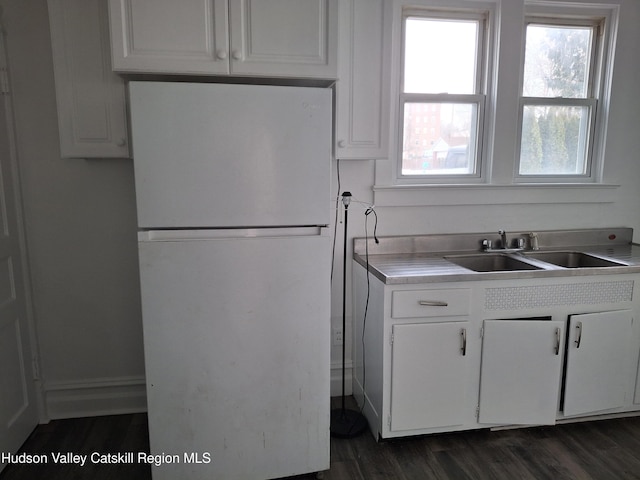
<point>558,106</point>
<point>443,73</point>
<point>508,94</point>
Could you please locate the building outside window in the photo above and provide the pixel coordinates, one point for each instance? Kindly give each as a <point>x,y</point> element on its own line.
<point>444,74</point>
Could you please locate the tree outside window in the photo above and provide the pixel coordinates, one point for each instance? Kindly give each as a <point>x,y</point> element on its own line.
<point>558,102</point>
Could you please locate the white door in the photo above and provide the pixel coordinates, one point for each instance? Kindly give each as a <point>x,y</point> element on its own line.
<point>283,38</point>
<point>18,412</point>
<point>428,379</point>
<point>520,375</point>
<point>92,116</point>
<point>362,99</point>
<point>236,336</point>
<point>189,36</point>
<point>230,155</point>
<point>597,361</point>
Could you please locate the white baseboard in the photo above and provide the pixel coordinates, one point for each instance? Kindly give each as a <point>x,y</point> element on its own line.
<point>336,378</point>
<point>120,395</point>
<point>95,397</point>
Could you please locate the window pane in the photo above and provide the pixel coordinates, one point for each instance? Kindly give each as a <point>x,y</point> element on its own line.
<point>557,61</point>
<point>554,140</point>
<point>440,55</point>
<point>439,138</point>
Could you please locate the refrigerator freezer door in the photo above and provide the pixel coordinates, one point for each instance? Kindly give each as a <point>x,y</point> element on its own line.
<point>213,155</point>
<point>236,334</point>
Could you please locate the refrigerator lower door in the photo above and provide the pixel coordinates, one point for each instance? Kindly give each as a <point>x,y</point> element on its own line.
<point>236,333</point>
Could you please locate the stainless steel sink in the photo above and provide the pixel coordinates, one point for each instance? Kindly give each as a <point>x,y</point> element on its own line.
<point>491,262</point>
<point>572,259</point>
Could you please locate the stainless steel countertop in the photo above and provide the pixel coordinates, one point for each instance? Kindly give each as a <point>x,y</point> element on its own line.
<point>404,266</point>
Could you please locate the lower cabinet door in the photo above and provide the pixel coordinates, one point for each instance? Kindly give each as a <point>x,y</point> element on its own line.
<point>597,362</point>
<point>428,379</point>
<point>520,373</point>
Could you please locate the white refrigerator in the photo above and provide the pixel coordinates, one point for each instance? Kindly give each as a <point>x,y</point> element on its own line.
<point>233,197</point>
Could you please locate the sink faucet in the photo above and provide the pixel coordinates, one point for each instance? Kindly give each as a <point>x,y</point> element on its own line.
<point>487,245</point>
<point>503,238</point>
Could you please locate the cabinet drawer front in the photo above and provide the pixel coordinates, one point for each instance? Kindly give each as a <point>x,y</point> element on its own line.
<point>430,303</point>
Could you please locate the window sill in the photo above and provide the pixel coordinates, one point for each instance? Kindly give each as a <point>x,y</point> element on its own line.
<point>485,194</point>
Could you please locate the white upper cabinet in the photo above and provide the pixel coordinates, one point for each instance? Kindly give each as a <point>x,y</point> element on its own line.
<point>271,38</point>
<point>91,98</point>
<point>362,90</point>
<point>189,36</point>
<point>295,38</point>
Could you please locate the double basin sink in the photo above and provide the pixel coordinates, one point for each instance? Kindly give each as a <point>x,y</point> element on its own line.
<point>530,260</point>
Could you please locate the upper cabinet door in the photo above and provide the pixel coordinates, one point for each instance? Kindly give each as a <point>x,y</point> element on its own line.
<point>188,37</point>
<point>294,38</point>
<point>362,91</point>
<point>271,38</point>
<point>91,98</point>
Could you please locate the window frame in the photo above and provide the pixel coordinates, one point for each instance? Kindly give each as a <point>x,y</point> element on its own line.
<point>478,99</point>
<point>499,182</point>
<point>570,16</point>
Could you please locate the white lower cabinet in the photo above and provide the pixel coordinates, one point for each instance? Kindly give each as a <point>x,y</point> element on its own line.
<point>428,372</point>
<point>521,369</point>
<point>452,356</point>
<point>415,370</point>
<point>599,358</point>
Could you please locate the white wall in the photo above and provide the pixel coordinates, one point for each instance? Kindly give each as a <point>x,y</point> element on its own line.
<point>81,233</point>
<point>81,224</point>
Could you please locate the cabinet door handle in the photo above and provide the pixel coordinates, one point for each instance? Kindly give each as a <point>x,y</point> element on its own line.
<point>236,55</point>
<point>221,54</point>
<point>557,341</point>
<point>463,339</point>
<point>578,334</point>
<point>433,303</point>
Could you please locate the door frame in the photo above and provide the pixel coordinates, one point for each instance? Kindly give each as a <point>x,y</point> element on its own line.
<point>30,319</point>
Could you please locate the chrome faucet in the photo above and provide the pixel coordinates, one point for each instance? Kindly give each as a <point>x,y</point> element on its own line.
<point>503,238</point>
<point>487,245</point>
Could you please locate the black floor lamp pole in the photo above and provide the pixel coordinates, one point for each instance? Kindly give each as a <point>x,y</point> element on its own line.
<point>346,423</point>
<point>345,201</point>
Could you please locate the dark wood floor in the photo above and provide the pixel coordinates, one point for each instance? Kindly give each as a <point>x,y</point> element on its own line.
<point>117,433</point>
<point>599,450</point>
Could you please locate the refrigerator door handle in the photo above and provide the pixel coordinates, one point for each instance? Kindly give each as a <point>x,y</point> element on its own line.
<point>171,235</point>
